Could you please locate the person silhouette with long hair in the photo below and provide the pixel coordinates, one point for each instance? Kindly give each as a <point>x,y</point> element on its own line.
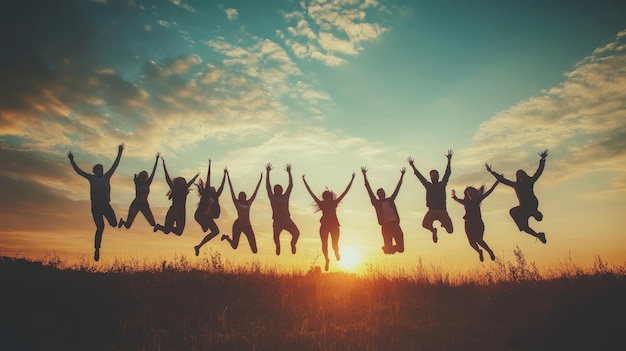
<point>435,197</point>
<point>329,224</point>
<point>528,203</point>
<point>280,209</point>
<point>100,195</point>
<point>208,208</point>
<point>242,223</point>
<point>387,215</point>
<point>140,203</point>
<point>175,217</point>
<point>474,225</point>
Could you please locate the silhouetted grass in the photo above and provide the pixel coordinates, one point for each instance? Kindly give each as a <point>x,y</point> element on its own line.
<point>213,306</point>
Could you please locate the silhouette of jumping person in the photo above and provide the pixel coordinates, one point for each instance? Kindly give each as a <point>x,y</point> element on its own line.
<point>528,203</point>
<point>140,203</point>
<point>474,225</point>
<point>100,195</point>
<point>387,215</point>
<point>242,223</point>
<point>280,209</point>
<point>208,208</point>
<point>175,217</point>
<point>329,224</point>
<point>435,198</point>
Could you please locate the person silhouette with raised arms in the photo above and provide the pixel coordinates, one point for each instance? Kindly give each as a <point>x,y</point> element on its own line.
<point>435,197</point>
<point>387,215</point>
<point>140,203</point>
<point>175,217</point>
<point>329,224</point>
<point>280,209</point>
<point>242,223</point>
<point>100,195</point>
<point>208,208</point>
<point>528,203</point>
<point>474,225</point>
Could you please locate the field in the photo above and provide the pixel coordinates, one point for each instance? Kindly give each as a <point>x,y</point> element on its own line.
<point>176,306</point>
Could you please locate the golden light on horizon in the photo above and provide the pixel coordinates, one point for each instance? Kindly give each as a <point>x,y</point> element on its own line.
<point>350,258</point>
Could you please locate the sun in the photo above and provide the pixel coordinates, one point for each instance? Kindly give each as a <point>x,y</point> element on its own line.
<point>350,258</point>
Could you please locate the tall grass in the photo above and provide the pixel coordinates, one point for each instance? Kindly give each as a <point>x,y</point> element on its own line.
<point>212,304</point>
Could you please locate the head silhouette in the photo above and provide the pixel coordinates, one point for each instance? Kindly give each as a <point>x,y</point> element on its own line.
<point>242,196</point>
<point>521,175</point>
<point>470,193</point>
<point>142,176</point>
<point>434,176</point>
<point>98,170</point>
<point>327,195</point>
<point>212,189</point>
<point>278,189</point>
<point>180,182</point>
<point>381,193</point>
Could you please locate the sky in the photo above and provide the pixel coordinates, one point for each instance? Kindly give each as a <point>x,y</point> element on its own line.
<point>328,87</point>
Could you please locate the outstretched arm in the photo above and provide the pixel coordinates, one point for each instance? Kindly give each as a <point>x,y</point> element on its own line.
<point>290,186</point>
<point>256,189</point>
<point>347,188</point>
<point>268,168</point>
<point>461,201</point>
<point>499,177</point>
<point>306,185</point>
<point>167,175</point>
<point>417,173</point>
<point>120,148</point>
<point>230,185</point>
<point>77,169</point>
<point>446,174</point>
<point>542,164</point>
<point>208,175</point>
<point>395,192</point>
<point>193,180</point>
<point>493,187</point>
<point>156,162</point>
<point>367,183</point>
<point>219,190</point>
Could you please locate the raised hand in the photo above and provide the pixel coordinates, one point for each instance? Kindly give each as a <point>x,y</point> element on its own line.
<point>544,154</point>
<point>158,154</point>
<point>449,154</point>
<point>363,170</point>
<point>488,168</point>
<point>70,155</point>
<point>453,193</point>
<point>403,170</point>
<point>120,147</point>
<point>410,160</point>
<point>288,168</point>
<point>268,167</point>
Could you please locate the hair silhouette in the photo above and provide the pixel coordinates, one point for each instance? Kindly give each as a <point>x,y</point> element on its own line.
<point>474,225</point>
<point>175,217</point>
<point>528,203</point>
<point>280,209</point>
<point>140,203</point>
<point>329,223</point>
<point>208,208</point>
<point>242,223</point>
<point>435,197</point>
<point>387,215</point>
<point>100,195</point>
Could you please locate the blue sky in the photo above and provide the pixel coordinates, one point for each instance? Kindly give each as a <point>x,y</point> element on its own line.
<point>328,86</point>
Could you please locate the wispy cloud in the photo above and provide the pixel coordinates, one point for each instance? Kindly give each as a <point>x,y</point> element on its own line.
<point>231,13</point>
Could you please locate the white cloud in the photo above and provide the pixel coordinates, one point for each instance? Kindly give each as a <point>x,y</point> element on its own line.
<point>231,13</point>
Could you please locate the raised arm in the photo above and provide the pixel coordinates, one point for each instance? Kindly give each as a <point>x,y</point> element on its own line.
<point>230,185</point>
<point>120,148</point>
<point>290,186</point>
<point>77,169</point>
<point>446,174</point>
<point>461,201</point>
<point>493,187</point>
<point>395,192</point>
<point>367,183</point>
<point>542,164</point>
<point>256,189</point>
<point>268,168</point>
<point>167,175</point>
<point>417,173</point>
<point>499,177</point>
<point>208,175</point>
<point>306,185</point>
<point>219,190</point>
<point>193,180</point>
<point>347,188</point>
<point>156,162</point>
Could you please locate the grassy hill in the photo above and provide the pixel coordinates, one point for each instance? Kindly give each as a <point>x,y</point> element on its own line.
<point>46,306</point>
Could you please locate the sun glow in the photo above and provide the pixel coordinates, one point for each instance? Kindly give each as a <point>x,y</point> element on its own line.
<point>350,258</point>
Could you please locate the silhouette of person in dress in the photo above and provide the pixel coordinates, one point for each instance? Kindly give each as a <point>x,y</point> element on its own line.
<point>387,215</point>
<point>140,203</point>
<point>528,203</point>
<point>435,198</point>
<point>242,223</point>
<point>175,217</point>
<point>208,208</point>
<point>280,209</point>
<point>100,195</point>
<point>474,225</point>
<point>329,224</point>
